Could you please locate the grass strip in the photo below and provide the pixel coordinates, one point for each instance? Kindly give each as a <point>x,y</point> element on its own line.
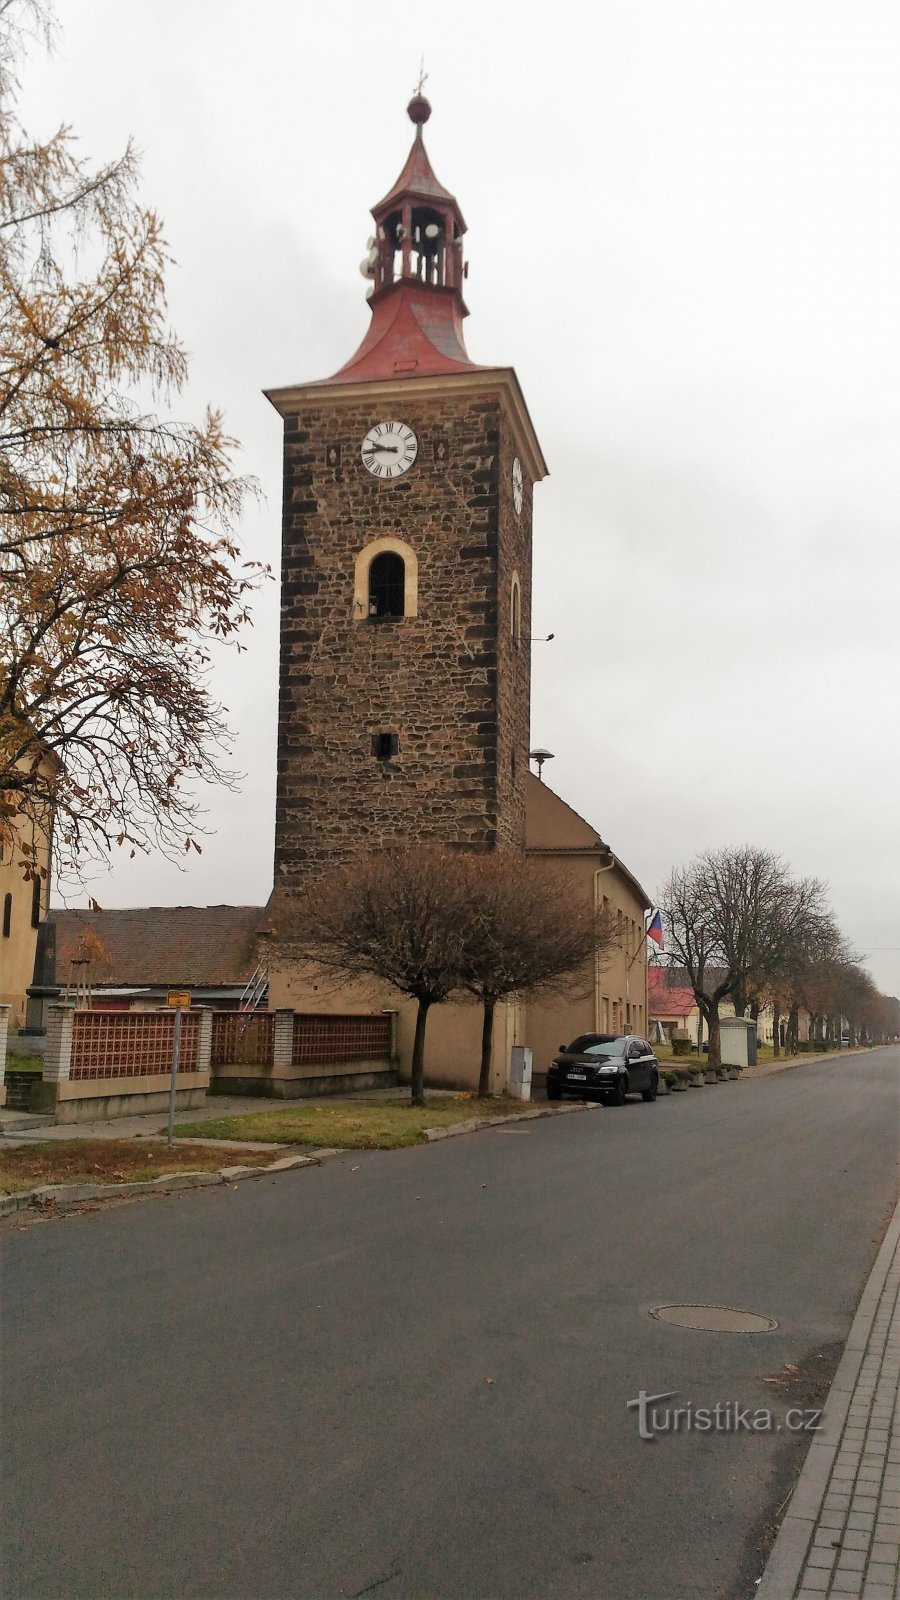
<point>350,1125</point>
<point>111,1161</point>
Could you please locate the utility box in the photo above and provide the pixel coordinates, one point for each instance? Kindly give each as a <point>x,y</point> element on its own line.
<point>738,1038</point>
<point>519,1085</point>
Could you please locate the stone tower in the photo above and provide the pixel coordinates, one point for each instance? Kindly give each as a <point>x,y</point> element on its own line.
<point>406,567</point>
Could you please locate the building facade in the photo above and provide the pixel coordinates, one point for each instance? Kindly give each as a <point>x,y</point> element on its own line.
<point>613,997</point>
<point>23,904</point>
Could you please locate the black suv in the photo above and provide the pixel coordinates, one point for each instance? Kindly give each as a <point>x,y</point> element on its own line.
<point>604,1066</point>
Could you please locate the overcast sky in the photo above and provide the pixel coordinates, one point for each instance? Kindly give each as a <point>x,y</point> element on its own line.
<point>684,234</point>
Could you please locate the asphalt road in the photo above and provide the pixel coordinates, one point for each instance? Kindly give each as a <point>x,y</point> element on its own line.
<point>406,1374</point>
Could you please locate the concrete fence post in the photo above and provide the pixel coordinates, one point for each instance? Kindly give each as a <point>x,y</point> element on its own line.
<point>4,1025</point>
<point>204,1037</point>
<point>392,1016</point>
<point>58,1054</point>
<point>283,1041</point>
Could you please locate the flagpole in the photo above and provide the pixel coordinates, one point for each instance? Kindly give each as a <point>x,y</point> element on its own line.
<point>642,943</point>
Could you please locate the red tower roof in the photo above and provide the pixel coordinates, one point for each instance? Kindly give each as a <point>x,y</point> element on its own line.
<point>416,266</point>
<point>418,177</point>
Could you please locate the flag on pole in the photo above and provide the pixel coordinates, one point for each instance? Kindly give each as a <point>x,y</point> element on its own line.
<point>655,930</point>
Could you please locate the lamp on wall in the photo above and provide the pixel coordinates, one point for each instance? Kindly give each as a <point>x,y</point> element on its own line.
<point>540,756</point>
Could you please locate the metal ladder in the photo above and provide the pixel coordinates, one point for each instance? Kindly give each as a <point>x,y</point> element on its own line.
<point>257,990</point>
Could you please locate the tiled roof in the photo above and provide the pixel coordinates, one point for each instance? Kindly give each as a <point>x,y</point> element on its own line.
<point>677,977</point>
<point>665,1000</point>
<point>418,179</point>
<point>161,945</point>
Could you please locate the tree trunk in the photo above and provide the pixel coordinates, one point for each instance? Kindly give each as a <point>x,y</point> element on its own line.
<point>417,1076</point>
<point>776,1030</point>
<point>487,1037</point>
<point>715,1047</point>
<point>793,1029</point>
<point>754,1010</point>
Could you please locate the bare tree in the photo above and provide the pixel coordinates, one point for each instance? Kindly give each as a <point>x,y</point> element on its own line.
<point>398,917</point>
<point>781,917</point>
<point>693,924</point>
<point>528,931</point>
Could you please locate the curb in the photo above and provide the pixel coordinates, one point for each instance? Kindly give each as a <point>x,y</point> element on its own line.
<point>766,1069</point>
<point>474,1124</point>
<point>63,1196</point>
<point>788,1554</point>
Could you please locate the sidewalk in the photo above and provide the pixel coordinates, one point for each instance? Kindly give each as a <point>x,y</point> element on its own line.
<point>841,1535</point>
<point>786,1063</point>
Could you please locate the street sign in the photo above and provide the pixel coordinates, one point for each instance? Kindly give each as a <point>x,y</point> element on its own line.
<point>178,997</point>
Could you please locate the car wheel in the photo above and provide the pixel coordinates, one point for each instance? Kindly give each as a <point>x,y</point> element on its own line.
<point>617,1098</point>
<point>554,1092</point>
<point>651,1093</point>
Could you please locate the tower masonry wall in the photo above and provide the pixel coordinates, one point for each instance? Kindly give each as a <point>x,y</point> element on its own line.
<point>451,683</point>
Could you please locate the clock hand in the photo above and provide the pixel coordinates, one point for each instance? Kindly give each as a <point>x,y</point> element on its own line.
<point>393,448</point>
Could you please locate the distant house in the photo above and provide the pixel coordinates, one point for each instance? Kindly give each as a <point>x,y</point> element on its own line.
<point>673,1007</point>
<point>130,960</point>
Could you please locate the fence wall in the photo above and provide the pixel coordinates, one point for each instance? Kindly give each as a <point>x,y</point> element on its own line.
<point>301,1053</point>
<point>116,1063</point>
<point>130,1044</point>
<point>100,1064</point>
<point>249,1040</point>
<point>340,1038</point>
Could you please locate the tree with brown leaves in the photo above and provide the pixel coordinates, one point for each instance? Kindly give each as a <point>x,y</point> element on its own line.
<point>118,562</point>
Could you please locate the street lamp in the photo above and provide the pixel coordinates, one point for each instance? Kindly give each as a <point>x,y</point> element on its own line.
<point>540,756</point>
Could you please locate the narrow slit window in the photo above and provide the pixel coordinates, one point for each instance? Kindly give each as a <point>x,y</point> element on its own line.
<point>516,614</point>
<point>387,584</point>
<point>385,745</point>
<point>7,915</point>
<point>35,902</point>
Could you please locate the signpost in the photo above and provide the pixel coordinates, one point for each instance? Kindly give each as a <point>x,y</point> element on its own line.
<point>180,999</point>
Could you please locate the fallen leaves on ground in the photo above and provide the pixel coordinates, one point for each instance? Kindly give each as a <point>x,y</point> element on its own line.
<point>107,1161</point>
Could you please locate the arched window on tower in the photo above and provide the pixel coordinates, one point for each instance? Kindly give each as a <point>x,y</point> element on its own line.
<point>385,581</point>
<point>387,586</point>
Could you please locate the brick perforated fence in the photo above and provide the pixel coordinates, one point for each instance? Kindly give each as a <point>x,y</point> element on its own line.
<point>340,1038</point>
<point>247,1040</point>
<point>130,1044</point>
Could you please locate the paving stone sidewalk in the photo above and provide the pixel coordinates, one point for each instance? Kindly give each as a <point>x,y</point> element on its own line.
<point>841,1535</point>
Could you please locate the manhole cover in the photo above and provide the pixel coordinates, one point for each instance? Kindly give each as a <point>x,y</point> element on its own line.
<point>715,1319</point>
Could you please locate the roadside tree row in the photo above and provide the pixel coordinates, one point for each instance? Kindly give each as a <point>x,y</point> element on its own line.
<point>745,930</point>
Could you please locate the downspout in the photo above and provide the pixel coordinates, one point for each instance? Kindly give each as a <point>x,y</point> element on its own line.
<point>597,902</point>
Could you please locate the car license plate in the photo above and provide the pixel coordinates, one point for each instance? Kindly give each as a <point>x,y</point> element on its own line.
<point>580,1076</point>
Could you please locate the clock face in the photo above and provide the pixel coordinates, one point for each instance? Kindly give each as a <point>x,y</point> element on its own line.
<point>517,484</point>
<point>389,449</point>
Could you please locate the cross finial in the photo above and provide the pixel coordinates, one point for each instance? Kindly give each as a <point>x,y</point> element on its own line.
<point>423,77</point>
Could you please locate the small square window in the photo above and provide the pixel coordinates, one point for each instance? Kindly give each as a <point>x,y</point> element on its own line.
<point>385,745</point>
